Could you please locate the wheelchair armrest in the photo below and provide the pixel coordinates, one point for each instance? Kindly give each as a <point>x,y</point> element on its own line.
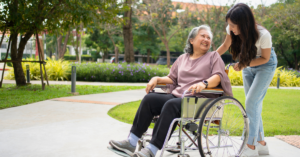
<point>212,90</point>
<point>161,85</point>
<point>206,90</point>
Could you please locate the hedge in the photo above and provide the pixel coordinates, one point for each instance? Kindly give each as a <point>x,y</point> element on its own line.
<point>73,57</point>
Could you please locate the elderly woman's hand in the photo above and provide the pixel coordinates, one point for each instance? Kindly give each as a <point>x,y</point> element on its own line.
<point>197,88</point>
<point>151,84</point>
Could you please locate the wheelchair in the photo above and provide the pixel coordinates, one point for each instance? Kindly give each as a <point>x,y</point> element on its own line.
<point>213,126</point>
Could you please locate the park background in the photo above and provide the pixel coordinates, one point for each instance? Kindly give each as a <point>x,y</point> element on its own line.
<point>132,32</point>
<point>87,34</point>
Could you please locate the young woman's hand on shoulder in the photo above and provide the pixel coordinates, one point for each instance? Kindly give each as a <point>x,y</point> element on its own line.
<point>225,46</point>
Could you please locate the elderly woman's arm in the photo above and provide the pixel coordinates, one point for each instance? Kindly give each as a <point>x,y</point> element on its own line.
<point>155,80</point>
<point>213,81</point>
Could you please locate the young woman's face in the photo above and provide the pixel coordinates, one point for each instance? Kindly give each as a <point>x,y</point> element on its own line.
<point>202,41</point>
<point>233,27</point>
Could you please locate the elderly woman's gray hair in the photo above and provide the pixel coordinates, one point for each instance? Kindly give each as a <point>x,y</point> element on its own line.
<point>194,32</point>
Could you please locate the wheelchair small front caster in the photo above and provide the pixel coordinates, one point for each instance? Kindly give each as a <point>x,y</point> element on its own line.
<point>183,155</point>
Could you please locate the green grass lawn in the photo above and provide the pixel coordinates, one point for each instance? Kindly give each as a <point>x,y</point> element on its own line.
<point>11,96</point>
<point>281,111</point>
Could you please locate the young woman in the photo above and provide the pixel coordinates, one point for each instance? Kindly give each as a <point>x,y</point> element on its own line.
<point>196,69</point>
<point>251,44</point>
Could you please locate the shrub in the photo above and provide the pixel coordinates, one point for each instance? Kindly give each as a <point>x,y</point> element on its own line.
<point>73,57</point>
<point>56,70</point>
<point>288,78</point>
<point>123,72</point>
<point>95,55</point>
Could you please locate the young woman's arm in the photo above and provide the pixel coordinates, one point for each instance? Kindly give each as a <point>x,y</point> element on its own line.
<point>265,57</point>
<point>225,46</point>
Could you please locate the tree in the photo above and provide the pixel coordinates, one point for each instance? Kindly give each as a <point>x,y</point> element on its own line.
<point>127,33</point>
<point>177,42</point>
<point>51,44</point>
<point>214,16</point>
<point>114,31</point>
<point>146,39</point>
<point>101,41</point>
<point>61,47</point>
<point>161,15</point>
<point>286,33</point>
<point>26,18</point>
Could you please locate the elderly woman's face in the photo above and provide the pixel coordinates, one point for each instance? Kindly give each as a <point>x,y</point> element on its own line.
<point>202,41</point>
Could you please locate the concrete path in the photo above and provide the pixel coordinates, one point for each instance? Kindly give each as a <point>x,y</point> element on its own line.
<point>74,128</point>
<point>116,84</point>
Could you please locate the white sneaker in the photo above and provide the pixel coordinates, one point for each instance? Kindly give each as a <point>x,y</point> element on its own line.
<point>262,150</point>
<point>248,152</point>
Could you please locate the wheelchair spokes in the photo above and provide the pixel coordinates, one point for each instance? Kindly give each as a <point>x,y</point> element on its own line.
<point>224,139</point>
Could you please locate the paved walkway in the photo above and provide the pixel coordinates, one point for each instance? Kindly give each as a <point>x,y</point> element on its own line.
<point>78,127</point>
<point>116,84</point>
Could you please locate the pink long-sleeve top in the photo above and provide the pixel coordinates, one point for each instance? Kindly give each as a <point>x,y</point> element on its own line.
<point>186,71</point>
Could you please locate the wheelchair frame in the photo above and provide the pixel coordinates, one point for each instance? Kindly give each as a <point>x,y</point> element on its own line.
<point>202,108</point>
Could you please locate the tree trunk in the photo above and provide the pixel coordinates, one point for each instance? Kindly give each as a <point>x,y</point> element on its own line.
<point>168,53</point>
<point>284,56</point>
<point>116,54</point>
<point>76,48</point>
<point>15,56</point>
<point>148,55</point>
<point>3,36</point>
<point>127,34</point>
<point>59,40</point>
<point>103,56</point>
<point>295,56</point>
<point>296,61</point>
<point>62,50</point>
<point>79,39</point>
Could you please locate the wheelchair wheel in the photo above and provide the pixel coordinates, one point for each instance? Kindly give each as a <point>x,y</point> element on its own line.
<point>223,128</point>
<point>174,140</point>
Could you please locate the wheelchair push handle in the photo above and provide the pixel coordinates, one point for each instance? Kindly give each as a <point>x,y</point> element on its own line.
<point>230,64</point>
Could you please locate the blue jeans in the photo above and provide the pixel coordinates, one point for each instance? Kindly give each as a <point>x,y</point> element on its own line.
<point>256,82</point>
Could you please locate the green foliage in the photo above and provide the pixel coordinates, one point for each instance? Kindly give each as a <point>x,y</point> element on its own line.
<point>51,44</point>
<point>67,52</point>
<point>73,57</point>
<point>177,43</point>
<point>214,16</point>
<point>283,21</point>
<point>145,38</point>
<point>28,94</point>
<point>100,41</point>
<point>95,55</point>
<point>107,72</point>
<point>162,15</point>
<point>56,70</point>
<point>28,17</point>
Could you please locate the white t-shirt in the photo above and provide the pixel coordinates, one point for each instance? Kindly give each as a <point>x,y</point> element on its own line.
<point>264,40</point>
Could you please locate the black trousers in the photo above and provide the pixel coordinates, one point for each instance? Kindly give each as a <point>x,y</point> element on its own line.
<point>167,106</point>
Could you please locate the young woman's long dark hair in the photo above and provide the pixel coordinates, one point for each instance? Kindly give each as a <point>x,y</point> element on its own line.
<point>243,45</point>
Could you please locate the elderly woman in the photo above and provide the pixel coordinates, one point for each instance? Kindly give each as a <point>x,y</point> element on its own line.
<point>194,70</point>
